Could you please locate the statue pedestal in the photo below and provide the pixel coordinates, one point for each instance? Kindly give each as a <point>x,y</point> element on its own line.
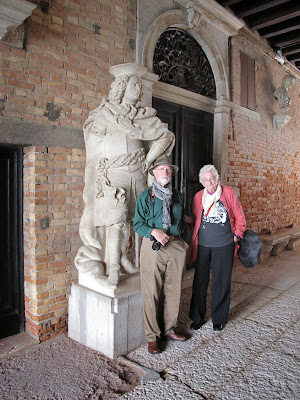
<point>280,120</point>
<point>111,323</point>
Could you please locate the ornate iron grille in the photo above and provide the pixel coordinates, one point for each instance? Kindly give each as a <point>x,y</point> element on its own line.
<point>180,61</point>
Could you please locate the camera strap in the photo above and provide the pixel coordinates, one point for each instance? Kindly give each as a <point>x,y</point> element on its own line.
<point>152,198</point>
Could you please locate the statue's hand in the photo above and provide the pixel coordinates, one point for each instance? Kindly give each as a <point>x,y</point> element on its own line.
<point>145,166</point>
<point>135,132</point>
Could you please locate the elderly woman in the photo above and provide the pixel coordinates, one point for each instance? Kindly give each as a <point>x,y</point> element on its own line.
<point>219,222</point>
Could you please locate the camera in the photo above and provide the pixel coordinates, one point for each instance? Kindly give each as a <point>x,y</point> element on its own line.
<point>156,244</point>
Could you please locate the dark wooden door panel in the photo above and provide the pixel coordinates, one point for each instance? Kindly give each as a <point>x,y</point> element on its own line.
<point>11,261</point>
<point>169,113</point>
<point>194,143</point>
<point>193,148</point>
<point>197,145</point>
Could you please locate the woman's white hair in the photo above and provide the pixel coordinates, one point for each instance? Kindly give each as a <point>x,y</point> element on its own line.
<point>208,168</point>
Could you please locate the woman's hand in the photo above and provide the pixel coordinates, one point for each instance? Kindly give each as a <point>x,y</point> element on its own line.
<point>236,238</point>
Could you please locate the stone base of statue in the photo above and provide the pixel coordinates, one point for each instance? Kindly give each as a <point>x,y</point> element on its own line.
<point>280,120</point>
<point>107,320</point>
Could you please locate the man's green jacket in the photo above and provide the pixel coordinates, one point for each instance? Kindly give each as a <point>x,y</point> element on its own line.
<point>149,213</point>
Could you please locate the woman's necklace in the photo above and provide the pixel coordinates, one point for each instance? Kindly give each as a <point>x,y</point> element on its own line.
<point>204,222</point>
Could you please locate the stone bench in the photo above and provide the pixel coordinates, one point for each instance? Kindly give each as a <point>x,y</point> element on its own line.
<point>276,242</point>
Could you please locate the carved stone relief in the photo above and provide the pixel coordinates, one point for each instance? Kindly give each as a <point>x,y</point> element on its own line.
<point>284,102</point>
<point>13,14</point>
<point>16,37</point>
<point>180,61</point>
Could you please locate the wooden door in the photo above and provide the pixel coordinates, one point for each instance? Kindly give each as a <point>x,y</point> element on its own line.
<point>194,145</point>
<point>11,247</point>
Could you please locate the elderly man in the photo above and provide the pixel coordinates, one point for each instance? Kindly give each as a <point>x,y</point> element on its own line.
<point>159,219</point>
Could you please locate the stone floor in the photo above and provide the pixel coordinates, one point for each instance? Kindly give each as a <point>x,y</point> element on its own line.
<point>256,356</point>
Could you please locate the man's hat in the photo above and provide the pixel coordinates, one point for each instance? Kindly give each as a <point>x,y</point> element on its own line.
<point>163,160</point>
<point>250,248</point>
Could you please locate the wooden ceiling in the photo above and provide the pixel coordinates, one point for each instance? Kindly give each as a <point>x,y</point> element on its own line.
<point>277,21</point>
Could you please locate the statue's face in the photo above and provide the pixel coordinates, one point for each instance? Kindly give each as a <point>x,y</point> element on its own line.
<point>133,90</point>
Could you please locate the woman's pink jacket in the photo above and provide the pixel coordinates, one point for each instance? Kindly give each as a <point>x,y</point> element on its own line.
<point>235,212</point>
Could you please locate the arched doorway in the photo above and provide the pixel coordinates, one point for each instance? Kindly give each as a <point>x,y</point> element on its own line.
<point>180,61</point>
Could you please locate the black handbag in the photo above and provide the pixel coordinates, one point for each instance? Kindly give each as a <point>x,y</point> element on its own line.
<point>250,248</point>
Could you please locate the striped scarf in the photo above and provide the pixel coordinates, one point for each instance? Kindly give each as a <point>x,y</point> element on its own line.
<point>165,194</point>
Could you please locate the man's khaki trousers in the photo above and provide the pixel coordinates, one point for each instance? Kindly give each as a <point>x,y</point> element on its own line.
<point>161,276</point>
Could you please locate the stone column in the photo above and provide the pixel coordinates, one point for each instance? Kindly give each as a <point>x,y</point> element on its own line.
<point>221,127</point>
<point>148,80</point>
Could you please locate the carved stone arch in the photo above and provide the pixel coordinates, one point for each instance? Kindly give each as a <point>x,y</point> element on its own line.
<point>164,21</point>
<point>214,44</point>
<point>180,61</point>
<point>216,61</point>
<point>178,19</point>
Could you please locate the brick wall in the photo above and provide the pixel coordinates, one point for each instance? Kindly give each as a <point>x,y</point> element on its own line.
<point>264,162</point>
<point>53,185</point>
<point>57,80</point>
<point>63,73</point>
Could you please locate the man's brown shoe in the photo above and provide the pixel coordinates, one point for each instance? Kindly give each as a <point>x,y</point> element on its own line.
<point>176,337</point>
<point>153,347</point>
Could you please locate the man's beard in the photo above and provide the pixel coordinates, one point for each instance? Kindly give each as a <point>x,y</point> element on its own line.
<point>164,181</point>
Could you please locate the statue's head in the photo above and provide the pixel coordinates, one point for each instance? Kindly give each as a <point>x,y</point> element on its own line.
<point>287,81</point>
<point>128,86</point>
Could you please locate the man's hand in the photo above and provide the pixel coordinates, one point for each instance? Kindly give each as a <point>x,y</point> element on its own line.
<point>160,236</point>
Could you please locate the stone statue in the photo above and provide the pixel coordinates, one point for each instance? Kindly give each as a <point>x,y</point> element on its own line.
<point>117,136</point>
<point>284,102</point>
<point>282,95</point>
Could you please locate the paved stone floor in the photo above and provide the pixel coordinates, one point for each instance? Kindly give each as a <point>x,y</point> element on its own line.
<point>256,356</point>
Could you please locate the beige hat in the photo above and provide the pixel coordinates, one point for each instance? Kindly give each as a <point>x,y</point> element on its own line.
<point>163,160</point>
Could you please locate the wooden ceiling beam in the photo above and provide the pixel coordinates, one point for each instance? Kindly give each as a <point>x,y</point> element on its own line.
<point>276,21</point>
<point>294,57</point>
<point>278,29</point>
<point>247,9</point>
<point>276,15</point>
<point>286,39</point>
<point>227,3</point>
<point>286,51</point>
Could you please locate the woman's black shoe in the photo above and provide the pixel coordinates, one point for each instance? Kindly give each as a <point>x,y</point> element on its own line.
<point>194,326</point>
<point>218,327</point>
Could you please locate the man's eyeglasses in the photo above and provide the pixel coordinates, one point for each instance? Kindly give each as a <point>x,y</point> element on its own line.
<point>163,169</point>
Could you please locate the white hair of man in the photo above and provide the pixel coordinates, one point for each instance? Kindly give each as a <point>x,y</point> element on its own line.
<point>208,168</point>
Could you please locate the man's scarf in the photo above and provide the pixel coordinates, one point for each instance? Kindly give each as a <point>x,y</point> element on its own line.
<point>165,194</point>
